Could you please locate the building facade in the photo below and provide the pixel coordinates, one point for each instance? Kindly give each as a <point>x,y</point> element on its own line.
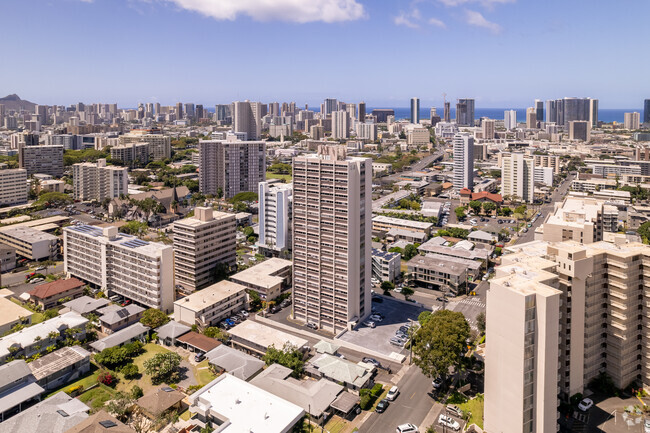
<point>275,217</point>
<point>97,181</point>
<point>463,145</point>
<point>518,176</point>
<point>211,305</point>
<point>41,159</point>
<point>13,186</point>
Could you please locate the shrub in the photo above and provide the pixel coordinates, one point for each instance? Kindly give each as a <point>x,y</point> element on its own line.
<point>366,402</point>
<point>377,390</point>
<point>106,378</point>
<point>130,371</point>
<point>136,392</point>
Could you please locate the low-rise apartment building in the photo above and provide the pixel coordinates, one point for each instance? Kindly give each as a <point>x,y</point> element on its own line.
<point>61,367</point>
<point>7,258</point>
<point>211,305</point>
<point>13,186</point>
<point>12,314</point>
<point>269,279</point>
<point>438,273</point>
<point>383,223</point>
<point>200,244</point>
<point>121,264</point>
<point>113,317</point>
<point>386,266</point>
<point>49,295</point>
<point>29,242</point>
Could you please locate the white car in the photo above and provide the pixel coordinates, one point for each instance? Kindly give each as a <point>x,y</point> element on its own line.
<point>407,428</point>
<point>646,426</point>
<point>392,393</point>
<point>449,422</point>
<point>585,404</point>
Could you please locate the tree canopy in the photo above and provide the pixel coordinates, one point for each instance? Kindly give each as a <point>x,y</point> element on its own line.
<point>441,342</point>
<point>163,367</point>
<point>410,251</point>
<point>289,356</point>
<point>154,318</point>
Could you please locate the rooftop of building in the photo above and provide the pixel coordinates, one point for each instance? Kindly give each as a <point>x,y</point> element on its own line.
<point>198,341</point>
<point>262,274</point>
<point>57,360</point>
<point>439,264</point>
<point>196,222</point>
<point>123,335</point>
<point>121,240</point>
<point>57,287</point>
<point>235,362</point>
<point>384,254</point>
<point>11,312</point>
<point>160,400</point>
<point>265,336</point>
<point>86,304</point>
<point>57,414</point>
<point>402,222</point>
<point>575,211</point>
<point>101,422</point>
<point>28,234</point>
<point>209,296</point>
<point>114,313</point>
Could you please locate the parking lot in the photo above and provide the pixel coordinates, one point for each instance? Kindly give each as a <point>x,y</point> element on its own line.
<point>395,315</point>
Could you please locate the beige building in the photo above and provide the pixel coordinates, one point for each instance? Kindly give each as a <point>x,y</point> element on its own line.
<point>211,305</point>
<point>247,118</point>
<point>518,177</point>
<point>160,146</point>
<point>580,219</point>
<point>552,161</point>
<point>417,135</point>
<point>488,128</point>
<point>29,242</point>
<point>200,243</point>
<point>50,185</point>
<point>230,166</point>
<point>383,223</point>
<point>136,153</point>
<point>579,130</point>
<point>41,159</point>
<point>269,278</point>
<point>332,207</point>
<point>531,118</point>
<point>632,121</point>
<point>121,264</point>
<point>97,181</point>
<point>13,186</point>
<point>594,292</point>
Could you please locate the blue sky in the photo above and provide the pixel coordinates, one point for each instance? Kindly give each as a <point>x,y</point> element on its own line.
<point>504,53</point>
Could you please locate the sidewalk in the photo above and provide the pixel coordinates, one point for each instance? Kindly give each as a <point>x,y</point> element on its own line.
<point>432,417</point>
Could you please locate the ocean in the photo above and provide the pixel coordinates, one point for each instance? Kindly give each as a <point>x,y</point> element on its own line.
<point>604,115</point>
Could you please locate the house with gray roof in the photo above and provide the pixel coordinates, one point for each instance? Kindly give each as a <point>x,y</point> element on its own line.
<point>56,414</point>
<point>18,388</point>
<point>113,318</point>
<point>170,331</point>
<point>85,305</point>
<point>352,376</point>
<point>137,331</point>
<point>61,367</point>
<point>235,362</point>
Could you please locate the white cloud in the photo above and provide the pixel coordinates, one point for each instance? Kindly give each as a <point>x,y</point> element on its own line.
<point>409,19</point>
<point>436,22</point>
<point>474,18</point>
<point>486,3</point>
<point>300,11</point>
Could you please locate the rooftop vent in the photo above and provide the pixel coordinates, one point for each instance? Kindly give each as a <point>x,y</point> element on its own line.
<point>107,423</point>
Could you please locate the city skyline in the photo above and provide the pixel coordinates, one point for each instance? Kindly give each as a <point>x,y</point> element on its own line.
<point>125,31</point>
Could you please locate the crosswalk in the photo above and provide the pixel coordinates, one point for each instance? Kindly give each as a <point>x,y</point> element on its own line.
<point>474,302</point>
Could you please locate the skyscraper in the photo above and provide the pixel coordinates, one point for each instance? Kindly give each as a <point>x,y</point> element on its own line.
<point>362,112</point>
<point>331,238</point>
<point>487,126</point>
<point>579,130</point>
<point>463,161</point>
<point>632,120</point>
<point>518,176</point>
<point>179,110</point>
<point>247,117</point>
<point>222,112</point>
<point>646,111</point>
<point>531,118</point>
<point>415,110</point>
<point>340,125</point>
<point>465,112</point>
<point>329,106</point>
<point>539,110</point>
<point>447,112</point>
<point>593,112</point>
<point>510,119</point>
<point>199,112</point>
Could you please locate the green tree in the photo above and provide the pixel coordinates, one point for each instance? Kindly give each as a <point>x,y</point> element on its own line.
<point>387,286</point>
<point>130,371</point>
<point>163,367</point>
<point>475,205</point>
<point>460,213</point>
<point>522,209</point>
<point>644,232</point>
<point>480,322</point>
<point>136,392</point>
<point>54,198</point>
<point>135,228</point>
<point>255,300</point>
<point>244,196</point>
<point>154,318</point>
<point>111,357</point>
<point>410,251</point>
<point>289,356</point>
<point>214,332</point>
<point>120,406</point>
<point>489,207</point>
<point>423,317</point>
<point>441,342</point>
<point>407,292</point>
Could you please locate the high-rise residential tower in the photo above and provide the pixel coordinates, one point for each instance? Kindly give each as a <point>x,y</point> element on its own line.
<point>465,112</point>
<point>447,112</point>
<point>247,117</point>
<point>329,106</point>
<point>463,161</point>
<point>518,176</point>
<point>632,120</point>
<point>275,217</point>
<point>539,110</point>
<point>99,181</point>
<point>415,110</point>
<point>362,112</point>
<point>646,111</point>
<point>340,125</point>
<point>510,119</point>
<point>332,209</point>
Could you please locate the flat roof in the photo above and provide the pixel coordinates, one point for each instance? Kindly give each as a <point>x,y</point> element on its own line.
<point>246,407</point>
<point>401,222</point>
<point>438,264</point>
<point>211,295</point>
<point>195,222</point>
<point>261,274</point>
<point>27,234</point>
<point>265,336</point>
<point>122,240</point>
<point>10,311</point>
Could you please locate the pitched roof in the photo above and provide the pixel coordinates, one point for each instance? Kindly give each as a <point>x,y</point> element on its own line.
<point>235,362</point>
<point>56,414</point>
<point>199,341</point>
<point>46,290</point>
<point>172,329</point>
<point>487,195</point>
<point>86,304</point>
<point>120,336</point>
<point>101,422</point>
<point>160,400</point>
<point>112,315</point>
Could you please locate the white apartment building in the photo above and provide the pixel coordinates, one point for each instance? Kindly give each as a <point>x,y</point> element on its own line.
<point>544,175</point>
<point>211,305</point>
<point>340,125</point>
<point>275,217</point>
<point>41,159</point>
<point>580,219</point>
<point>463,161</point>
<point>367,131</point>
<point>97,181</point>
<point>231,166</point>
<point>510,119</point>
<point>386,266</point>
<point>200,243</point>
<point>159,148</point>
<point>559,314</point>
<point>332,207</point>
<point>13,186</point>
<point>247,118</point>
<point>518,176</point>
<point>121,264</point>
<point>136,152</point>
<point>552,161</point>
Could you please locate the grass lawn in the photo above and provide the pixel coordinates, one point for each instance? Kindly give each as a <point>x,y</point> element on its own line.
<point>97,397</point>
<point>287,177</point>
<point>185,416</point>
<point>38,318</point>
<point>475,407</point>
<point>202,373</point>
<point>335,425</point>
<point>87,381</point>
<point>144,381</point>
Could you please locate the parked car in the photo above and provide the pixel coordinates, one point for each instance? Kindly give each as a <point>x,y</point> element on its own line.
<point>585,404</point>
<point>382,406</point>
<point>40,268</point>
<point>375,318</point>
<point>646,426</point>
<point>404,329</point>
<point>312,325</point>
<point>454,410</point>
<point>372,361</point>
<point>437,382</point>
<point>244,313</point>
<point>407,428</point>
<point>396,342</point>
<point>199,357</point>
<point>285,303</point>
<point>392,393</point>
<point>369,324</point>
<point>441,299</point>
<point>449,422</point>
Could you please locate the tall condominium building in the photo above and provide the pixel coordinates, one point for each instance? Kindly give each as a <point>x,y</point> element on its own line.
<point>593,292</point>
<point>362,112</point>
<point>487,128</point>
<point>518,176</point>
<point>41,111</point>
<point>98,181</point>
<point>179,110</point>
<point>579,130</point>
<point>447,112</point>
<point>580,219</point>
<point>222,112</point>
<point>463,161</point>
<point>539,110</point>
<point>275,217</point>
<point>131,154</point>
<point>340,125</point>
<point>200,244</point>
<point>121,264</point>
<point>231,166</point>
<point>199,112</point>
<point>593,113</point>
<point>531,118</point>
<point>552,161</point>
<point>563,111</point>
<point>160,146</point>
<point>510,119</point>
<point>646,111</point>
<point>247,117</point>
<point>331,238</point>
<point>190,112</point>
<point>415,110</point>
<point>465,112</point>
<point>41,159</point>
<point>329,106</point>
<point>367,131</point>
<point>13,186</point>
<point>632,120</point>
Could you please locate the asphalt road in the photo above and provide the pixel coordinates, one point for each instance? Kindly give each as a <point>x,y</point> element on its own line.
<point>16,281</point>
<point>412,405</point>
<point>417,166</point>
